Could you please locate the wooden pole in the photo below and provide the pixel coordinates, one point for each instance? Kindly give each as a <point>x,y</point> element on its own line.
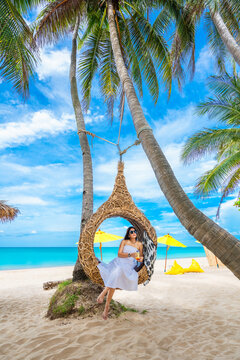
<point>101,250</point>
<point>166,258</point>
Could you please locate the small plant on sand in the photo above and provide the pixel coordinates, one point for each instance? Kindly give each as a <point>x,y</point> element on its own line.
<point>63,284</point>
<point>76,299</point>
<point>81,310</point>
<point>67,306</point>
<point>125,308</point>
<point>118,308</point>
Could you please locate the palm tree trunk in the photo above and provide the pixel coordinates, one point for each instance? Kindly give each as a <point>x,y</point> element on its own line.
<point>226,36</point>
<point>225,246</point>
<point>87,197</point>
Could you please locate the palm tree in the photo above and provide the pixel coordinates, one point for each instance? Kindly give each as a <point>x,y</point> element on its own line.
<point>87,195</point>
<point>52,35</point>
<point>223,141</point>
<point>222,19</point>
<point>225,246</point>
<point>109,79</point>
<point>18,53</point>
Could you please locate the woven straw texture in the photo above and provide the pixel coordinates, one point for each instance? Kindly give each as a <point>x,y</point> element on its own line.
<point>119,204</point>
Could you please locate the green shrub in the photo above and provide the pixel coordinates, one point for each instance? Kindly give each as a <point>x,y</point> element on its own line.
<point>63,284</point>
<point>81,310</point>
<point>67,306</point>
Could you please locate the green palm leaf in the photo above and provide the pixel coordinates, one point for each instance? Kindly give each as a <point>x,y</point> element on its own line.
<point>109,79</point>
<point>224,142</point>
<point>214,179</point>
<point>144,57</point>
<point>56,20</point>
<point>208,141</point>
<point>18,53</point>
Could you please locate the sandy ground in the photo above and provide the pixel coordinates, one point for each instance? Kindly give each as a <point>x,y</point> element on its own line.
<point>190,316</point>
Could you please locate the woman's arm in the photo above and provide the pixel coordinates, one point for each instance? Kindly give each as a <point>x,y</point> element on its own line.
<point>141,252</point>
<point>141,249</point>
<point>121,254</point>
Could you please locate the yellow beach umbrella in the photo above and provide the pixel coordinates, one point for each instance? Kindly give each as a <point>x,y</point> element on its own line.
<point>168,240</point>
<point>102,236</point>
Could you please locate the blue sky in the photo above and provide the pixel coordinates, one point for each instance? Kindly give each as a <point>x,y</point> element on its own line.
<point>41,163</point>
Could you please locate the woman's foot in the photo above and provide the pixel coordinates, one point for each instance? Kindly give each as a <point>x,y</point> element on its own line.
<point>100,298</point>
<point>105,313</point>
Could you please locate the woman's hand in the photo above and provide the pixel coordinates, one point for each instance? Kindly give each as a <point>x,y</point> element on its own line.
<point>141,259</point>
<point>134,255</point>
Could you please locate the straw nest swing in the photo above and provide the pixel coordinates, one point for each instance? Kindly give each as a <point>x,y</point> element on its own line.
<point>119,204</point>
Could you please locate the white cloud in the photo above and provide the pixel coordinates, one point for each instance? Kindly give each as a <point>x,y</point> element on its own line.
<point>26,200</point>
<point>176,125</point>
<point>94,117</point>
<point>204,64</point>
<point>53,63</point>
<point>139,175</point>
<point>229,215</point>
<point>41,124</point>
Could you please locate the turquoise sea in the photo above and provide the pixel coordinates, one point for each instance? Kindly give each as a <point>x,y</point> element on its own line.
<point>36,257</point>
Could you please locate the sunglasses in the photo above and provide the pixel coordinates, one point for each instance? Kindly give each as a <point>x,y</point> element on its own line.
<point>132,231</point>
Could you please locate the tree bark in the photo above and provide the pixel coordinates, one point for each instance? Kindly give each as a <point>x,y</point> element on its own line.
<point>226,36</point>
<point>87,195</point>
<point>225,246</point>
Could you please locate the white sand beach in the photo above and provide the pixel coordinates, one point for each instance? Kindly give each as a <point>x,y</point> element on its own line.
<point>191,316</point>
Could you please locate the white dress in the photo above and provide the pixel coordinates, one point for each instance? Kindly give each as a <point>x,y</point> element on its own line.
<point>120,273</point>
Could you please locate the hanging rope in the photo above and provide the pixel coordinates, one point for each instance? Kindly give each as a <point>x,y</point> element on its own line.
<point>121,152</point>
<point>94,135</point>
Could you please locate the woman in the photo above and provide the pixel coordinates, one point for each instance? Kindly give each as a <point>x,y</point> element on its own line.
<point>120,273</point>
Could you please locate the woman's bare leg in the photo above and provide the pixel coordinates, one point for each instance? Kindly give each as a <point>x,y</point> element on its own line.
<point>109,298</point>
<point>101,296</point>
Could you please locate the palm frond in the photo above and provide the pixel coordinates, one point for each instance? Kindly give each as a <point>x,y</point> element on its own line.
<point>225,105</point>
<point>228,149</point>
<point>224,111</point>
<point>214,179</point>
<point>7,213</point>
<point>18,55</point>
<point>25,5</point>
<point>109,78</point>
<point>217,46</point>
<point>183,44</point>
<point>230,12</point>
<point>56,20</point>
<point>132,57</point>
<point>155,42</point>
<point>208,141</point>
<point>225,86</point>
<point>88,63</point>
<point>144,57</point>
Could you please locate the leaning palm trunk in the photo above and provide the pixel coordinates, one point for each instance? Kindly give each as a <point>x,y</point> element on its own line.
<point>87,197</point>
<point>226,36</point>
<point>225,246</point>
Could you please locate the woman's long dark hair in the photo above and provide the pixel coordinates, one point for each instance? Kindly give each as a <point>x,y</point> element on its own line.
<point>126,237</point>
